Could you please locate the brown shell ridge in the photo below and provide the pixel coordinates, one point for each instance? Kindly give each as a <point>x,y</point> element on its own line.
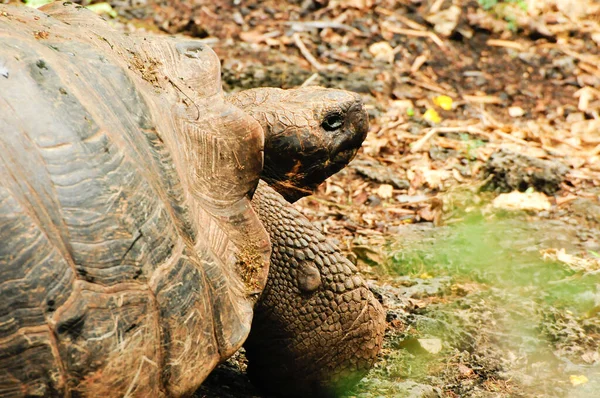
<point>26,193</point>
<point>129,147</point>
<point>148,162</point>
<point>44,221</point>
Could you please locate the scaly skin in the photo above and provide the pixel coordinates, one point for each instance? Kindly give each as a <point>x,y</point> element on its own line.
<point>317,328</point>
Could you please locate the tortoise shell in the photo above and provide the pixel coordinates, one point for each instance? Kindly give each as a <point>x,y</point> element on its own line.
<point>128,239</point>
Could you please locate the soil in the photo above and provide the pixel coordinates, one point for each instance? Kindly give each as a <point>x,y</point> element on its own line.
<point>468,100</point>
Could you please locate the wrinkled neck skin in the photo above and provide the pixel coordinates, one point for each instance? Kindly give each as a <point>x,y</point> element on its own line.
<point>310,134</point>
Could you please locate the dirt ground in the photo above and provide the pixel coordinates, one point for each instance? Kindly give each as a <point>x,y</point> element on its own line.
<point>474,205</point>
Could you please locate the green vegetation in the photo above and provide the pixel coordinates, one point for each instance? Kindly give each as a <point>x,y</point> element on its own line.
<point>36,3</point>
<point>508,319</point>
<point>504,9</point>
<point>501,254</point>
<point>490,4</point>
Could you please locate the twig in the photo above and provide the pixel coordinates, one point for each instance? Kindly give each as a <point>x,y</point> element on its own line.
<point>310,80</point>
<point>309,57</point>
<point>330,203</point>
<point>390,126</point>
<point>436,6</point>
<point>432,87</point>
<point>418,145</point>
<point>419,61</point>
<point>401,18</point>
<point>505,43</point>
<point>515,139</point>
<point>338,57</point>
<point>482,99</point>
<point>417,33</point>
<point>305,26</point>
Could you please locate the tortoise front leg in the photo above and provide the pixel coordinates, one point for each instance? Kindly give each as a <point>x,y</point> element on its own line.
<point>317,328</point>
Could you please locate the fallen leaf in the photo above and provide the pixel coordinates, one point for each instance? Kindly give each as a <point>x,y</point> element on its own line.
<point>445,21</point>
<point>585,96</point>
<point>578,379</point>
<point>432,116</point>
<point>575,263</point>
<point>382,51</point>
<point>103,9</point>
<point>443,101</point>
<point>534,201</point>
<point>516,111</point>
<point>372,146</point>
<point>591,357</point>
<point>385,191</point>
<point>465,371</point>
<point>368,255</point>
<point>252,37</point>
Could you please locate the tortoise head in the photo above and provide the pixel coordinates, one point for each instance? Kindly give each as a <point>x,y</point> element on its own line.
<point>310,134</point>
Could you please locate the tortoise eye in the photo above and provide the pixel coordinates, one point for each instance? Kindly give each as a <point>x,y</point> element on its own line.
<point>332,122</point>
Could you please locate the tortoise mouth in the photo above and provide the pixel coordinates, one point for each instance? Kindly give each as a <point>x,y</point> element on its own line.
<point>289,190</point>
<point>305,178</point>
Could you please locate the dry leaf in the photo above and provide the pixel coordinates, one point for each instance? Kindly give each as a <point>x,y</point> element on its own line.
<point>382,51</point>
<point>252,37</point>
<point>372,146</point>
<point>465,371</point>
<point>577,264</point>
<point>443,101</point>
<point>534,201</point>
<point>385,191</point>
<point>368,255</point>
<point>585,95</point>
<point>445,21</point>
<point>578,379</point>
<point>516,111</point>
<point>432,116</point>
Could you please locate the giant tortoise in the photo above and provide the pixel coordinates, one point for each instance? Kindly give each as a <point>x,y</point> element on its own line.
<point>138,248</point>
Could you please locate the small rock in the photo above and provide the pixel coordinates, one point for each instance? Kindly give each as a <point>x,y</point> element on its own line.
<point>513,171</point>
<point>410,389</point>
<point>379,172</point>
<point>516,111</point>
<point>432,346</point>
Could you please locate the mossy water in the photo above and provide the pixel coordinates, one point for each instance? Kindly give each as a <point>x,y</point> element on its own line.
<point>510,322</point>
